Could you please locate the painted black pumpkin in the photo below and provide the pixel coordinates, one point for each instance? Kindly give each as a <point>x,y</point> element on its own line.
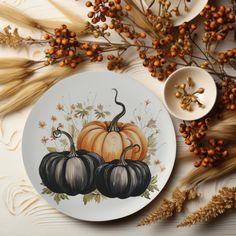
<point>123,178</point>
<point>71,172</point>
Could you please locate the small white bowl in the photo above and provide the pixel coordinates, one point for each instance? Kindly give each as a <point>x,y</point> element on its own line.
<point>201,79</point>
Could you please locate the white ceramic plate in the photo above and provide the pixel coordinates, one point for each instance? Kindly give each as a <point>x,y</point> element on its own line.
<point>194,8</point>
<point>72,104</point>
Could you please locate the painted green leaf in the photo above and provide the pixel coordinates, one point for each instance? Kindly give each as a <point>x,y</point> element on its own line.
<point>64,142</point>
<point>152,187</point>
<point>93,196</point>
<point>51,149</point>
<point>88,198</point>
<point>151,124</point>
<point>79,105</point>
<point>57,197</point>
<point>72,131</point>
<point>100,107</point>
<point>89,108</point>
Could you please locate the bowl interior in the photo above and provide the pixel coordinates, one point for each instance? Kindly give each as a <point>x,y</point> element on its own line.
<point>201,79</point>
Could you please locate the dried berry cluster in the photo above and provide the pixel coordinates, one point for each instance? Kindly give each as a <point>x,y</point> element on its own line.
<point>160,27</point>
<point>62,46</point>
<point>114,62</point>
<point>218,22</point>
<point>105,8</point>
<point>229,95</point>
<point>188,98</point>
<point>167,47</point>
<point>157,65</point>
<point>209,150</point>
<point>67,50</point>
<point>229,56</point>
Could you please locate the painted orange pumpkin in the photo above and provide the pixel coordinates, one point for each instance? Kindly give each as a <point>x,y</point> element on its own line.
<point>109,138</point>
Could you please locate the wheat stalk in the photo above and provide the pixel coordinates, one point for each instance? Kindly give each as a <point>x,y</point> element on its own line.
<point>14,15</point>
<point>219,204</point>
<point>169,207</point>
<point>11,74</point>
<point>200,175</point>
<point>79,24</point>
<point>13,62</point>
<point>31,90</point>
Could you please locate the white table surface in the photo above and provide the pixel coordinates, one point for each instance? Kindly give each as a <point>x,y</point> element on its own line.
<point>24,213</point>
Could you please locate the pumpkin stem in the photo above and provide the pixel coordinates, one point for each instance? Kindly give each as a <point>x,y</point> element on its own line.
<point>57,134</point>
<point>131,146</point>
<point>114,123</point>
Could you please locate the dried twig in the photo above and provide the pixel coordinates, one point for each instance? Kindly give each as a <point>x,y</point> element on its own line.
<point>219,204</point>
<point>169,207</point>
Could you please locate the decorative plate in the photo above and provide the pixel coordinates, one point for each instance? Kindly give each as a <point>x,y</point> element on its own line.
<point>99,146</point>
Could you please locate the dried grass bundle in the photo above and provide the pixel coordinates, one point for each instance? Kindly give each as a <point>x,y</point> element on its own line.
<point>169,207</point>
<point>226,199</point>
<point>201,174</point>
<point>225,128</point>
<point>10,89</point>
<point>28,92</point>
<point>24,97</point>
<point>14,15</point>
<point>52,24</point>
<point>13,62</point>
<point>79,24</point>
<point>11,74</point>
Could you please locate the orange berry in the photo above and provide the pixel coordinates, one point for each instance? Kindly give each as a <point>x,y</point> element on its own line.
<point>73,64</point>
<point>64,41</point>
<point>46,36</point>
<point>128,8</point>
<point>111,26</point>
<point>220,20</point>
<point>62,63</point>
<point>94,20</point>
<point>51,51</point>
<point>89,53</point>
<point>110,57</point>
<point>225,153</point>
<point>72,34</point>
<point>230,53</point>
<point>211,152</point>
<point>156,63</point>
<point>143,35</point>
<point>119,7</point>
<point>193,26</point>
<point>212,24</point>
<point>100,57</point>
<point>58,41</point>
<point>88,4</point>
<point>59,53</point>
<point>90,14</point>
<point>71,53</point>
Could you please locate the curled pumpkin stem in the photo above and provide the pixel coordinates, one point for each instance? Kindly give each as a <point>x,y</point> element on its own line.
<point>114,123</point>
<point>57,134</point>
<point>131,146</point>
